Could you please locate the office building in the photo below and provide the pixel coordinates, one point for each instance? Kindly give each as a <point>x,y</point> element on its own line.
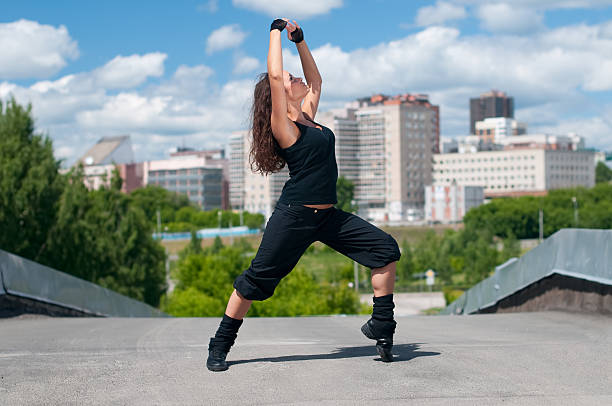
<point>490,104</point>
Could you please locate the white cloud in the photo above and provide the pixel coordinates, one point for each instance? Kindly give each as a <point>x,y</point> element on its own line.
<point>130,71</point>
<point>187,83</point>
<point>510,19</point>
<point>228,36</point>
<point>244,64</point>
<point>596,130</point>
<point>211,6</point>
<point>292,9</point>
<point>439,13</point>
<point>32,50</point>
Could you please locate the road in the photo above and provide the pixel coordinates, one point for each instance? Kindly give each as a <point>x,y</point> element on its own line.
<point>411,304</point>
<point>519,359</point>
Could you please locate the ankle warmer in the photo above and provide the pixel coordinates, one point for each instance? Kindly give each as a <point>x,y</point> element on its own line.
<point>383,307</point>
<point>226,333</point>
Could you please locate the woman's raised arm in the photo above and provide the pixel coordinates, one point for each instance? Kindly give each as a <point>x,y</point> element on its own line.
<point>313,77</point>
<point>282,128</point>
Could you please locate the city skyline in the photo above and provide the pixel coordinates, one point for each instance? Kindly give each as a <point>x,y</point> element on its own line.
<point>183,75</point>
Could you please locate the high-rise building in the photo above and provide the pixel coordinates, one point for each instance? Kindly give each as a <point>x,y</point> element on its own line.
<point>384,147</point>
<point>490,104</point>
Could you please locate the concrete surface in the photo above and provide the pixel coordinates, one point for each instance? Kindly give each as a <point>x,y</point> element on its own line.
<point>518,359</point>
<point>411,304</point>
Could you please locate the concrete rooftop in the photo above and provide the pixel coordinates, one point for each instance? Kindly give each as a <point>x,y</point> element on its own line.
<point>519,359</point>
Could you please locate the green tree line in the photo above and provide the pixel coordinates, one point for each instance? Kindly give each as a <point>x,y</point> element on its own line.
<point>592,208</point>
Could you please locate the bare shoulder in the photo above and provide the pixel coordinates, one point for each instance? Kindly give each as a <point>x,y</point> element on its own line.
<point>286,133</point>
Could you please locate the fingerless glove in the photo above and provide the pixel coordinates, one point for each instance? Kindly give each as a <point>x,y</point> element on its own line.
<point>278,24</point>
<point>297,36</point>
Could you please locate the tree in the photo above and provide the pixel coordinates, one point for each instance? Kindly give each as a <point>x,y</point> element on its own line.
<point>345,191</point>
<point>101,237</point>
<point>603,174</point>
<point>30,185</point>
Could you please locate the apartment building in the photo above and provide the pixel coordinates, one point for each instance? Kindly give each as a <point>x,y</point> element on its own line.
<point>516,171</point>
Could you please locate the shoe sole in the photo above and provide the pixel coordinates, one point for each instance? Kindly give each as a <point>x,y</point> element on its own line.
<point>385,353</point>
<point>217,368</point>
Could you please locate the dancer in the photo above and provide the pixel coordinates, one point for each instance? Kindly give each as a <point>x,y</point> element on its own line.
<point>284,131</point>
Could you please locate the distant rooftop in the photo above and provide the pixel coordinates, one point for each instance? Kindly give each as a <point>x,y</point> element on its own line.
<point>102,152</point>
<point>404,98</point>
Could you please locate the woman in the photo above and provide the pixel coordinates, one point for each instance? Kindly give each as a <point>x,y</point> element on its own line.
<point>284,131</point>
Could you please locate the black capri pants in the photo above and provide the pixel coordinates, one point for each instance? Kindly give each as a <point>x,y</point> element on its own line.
<point>293,228</point>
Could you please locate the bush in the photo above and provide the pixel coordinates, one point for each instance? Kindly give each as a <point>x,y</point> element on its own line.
<point>450,294</point>
<point>205,282</point>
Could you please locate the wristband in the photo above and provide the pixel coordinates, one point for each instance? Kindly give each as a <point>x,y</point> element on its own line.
<point>278,24</point>
<point>297,36</point>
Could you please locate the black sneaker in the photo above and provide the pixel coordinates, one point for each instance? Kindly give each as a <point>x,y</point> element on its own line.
<point>216,360</point>
<point>382,332</point>
<point>217,352</point>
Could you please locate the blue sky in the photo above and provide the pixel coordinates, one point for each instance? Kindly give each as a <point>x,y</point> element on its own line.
<point>182,73</point>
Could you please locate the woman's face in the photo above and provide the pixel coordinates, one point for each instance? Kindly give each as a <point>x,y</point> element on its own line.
<point>295,87</point>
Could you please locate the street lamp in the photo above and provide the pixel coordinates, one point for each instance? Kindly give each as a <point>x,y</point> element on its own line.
<point>575,201</point>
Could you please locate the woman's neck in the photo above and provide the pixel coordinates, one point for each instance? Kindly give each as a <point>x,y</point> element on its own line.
<point>295,112</point>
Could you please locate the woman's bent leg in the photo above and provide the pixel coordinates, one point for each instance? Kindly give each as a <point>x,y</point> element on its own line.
<point>383,279</point>
<point>237,306</point>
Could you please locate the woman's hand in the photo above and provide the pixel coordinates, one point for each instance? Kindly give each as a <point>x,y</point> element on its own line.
<point>278,24</point>
<point>294,32</point>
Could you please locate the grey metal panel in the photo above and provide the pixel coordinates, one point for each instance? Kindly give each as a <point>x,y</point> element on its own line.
<point>580,253</point>
<point>25,278</point>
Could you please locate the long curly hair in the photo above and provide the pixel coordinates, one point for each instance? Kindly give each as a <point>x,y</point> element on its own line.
<point>264,153</point>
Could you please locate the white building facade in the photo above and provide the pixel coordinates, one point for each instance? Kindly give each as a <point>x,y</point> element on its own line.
<point>516,171</point>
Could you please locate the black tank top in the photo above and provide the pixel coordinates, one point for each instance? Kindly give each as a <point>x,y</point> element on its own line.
<point>313,171</point>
